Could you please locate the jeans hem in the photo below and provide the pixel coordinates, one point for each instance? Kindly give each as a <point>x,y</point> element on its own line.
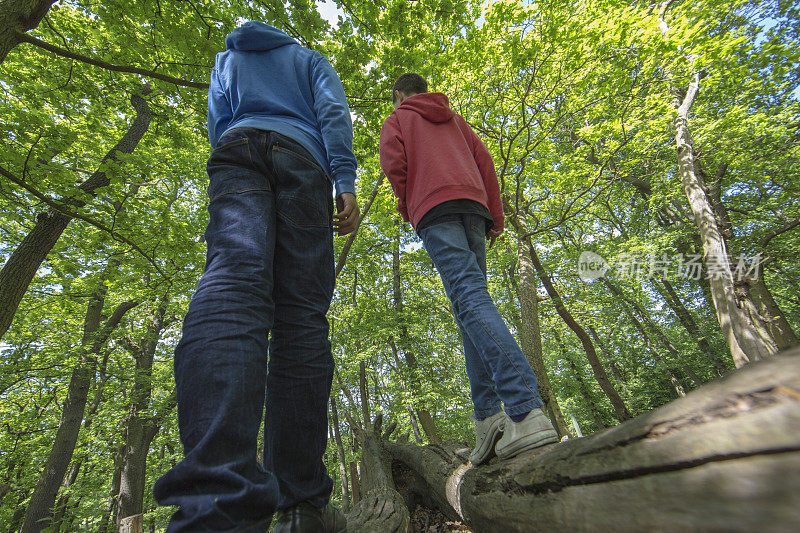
<point>482,414</point>
<point>523,408</point>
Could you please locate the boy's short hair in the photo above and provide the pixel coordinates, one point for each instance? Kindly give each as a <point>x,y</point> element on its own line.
<point>409,84</point>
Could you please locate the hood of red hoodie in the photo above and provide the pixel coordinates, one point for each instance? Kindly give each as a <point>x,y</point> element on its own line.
<point>431,106</point>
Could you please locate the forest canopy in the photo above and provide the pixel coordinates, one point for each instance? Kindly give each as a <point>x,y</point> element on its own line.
<point>649,163</point>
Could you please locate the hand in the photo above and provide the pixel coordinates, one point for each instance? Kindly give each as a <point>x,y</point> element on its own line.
<point>492,234</point>
<point>346,219</point>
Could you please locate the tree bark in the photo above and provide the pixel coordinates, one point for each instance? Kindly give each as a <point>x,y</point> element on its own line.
<point>671,469</point>
<point>745,340</point>
<point>19,16</point>
<point>20,269</point>
<point>777,325</point>
<point>95,334</point>
<point>531,337</point>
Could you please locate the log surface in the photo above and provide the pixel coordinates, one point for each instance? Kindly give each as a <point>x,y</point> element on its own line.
<point>724,458</point>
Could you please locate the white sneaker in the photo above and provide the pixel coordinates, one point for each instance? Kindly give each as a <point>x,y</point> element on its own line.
<point>533,431</point>
<point>487,431</point>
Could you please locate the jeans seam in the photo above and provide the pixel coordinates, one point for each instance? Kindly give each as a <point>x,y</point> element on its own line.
<point>239,191</point>
<point>316,166</point>
<point>237,142</point>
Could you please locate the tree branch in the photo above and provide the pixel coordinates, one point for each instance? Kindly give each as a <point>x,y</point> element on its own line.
<point>24,37</point>
<point>61,208</point>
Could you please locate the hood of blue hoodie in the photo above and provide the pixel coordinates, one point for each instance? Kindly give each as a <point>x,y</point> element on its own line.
<point>254,36</point>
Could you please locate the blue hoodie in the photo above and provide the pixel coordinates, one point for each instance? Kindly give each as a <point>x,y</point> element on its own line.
<point>266,80</point>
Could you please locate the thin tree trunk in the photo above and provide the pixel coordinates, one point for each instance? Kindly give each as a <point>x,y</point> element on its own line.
<point>356,487</point>
<point>620,410</point>
<point>577,373</point>
<point>655,329</point>
<point>20,269</point>
<point>612,363</point>
<point>750,343</point>
<point>75,467</point>
<point>19,16</point>
<point>531,337</point>
<point>685,317</point>
<point>140,429</point>
<point>110,507</point>
<point>337,437</point>
<point>651,348</point>
<point>423,414</point>
<point>38,514</point>
<point>414,425</point>
<point>364,390</point>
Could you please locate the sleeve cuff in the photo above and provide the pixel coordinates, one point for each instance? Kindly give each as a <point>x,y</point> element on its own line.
<point>345,184</point>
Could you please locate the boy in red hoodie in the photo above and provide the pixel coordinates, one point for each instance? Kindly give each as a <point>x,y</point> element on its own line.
<point>446,186</point>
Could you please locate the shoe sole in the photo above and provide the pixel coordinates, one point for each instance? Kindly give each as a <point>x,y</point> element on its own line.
<point>489,444</point>
<point>547,436</point>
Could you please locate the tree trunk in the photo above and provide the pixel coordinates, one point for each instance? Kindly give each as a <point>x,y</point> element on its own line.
<point>619,376</point>
<point>671,469</point>
<point>337,437</point>
<point>423,415</point>
<point>75,467</point>
<point>676,304</point>
<point>777,325</point>
<point>19,16</point>
<point>620,410</point>
<point>362,387</point>
<point>656,355</point>
<point>577,373</point>
<point>652,326</point>
<point>138,436</point>
<point>21,267</point>
<point>95,334</point>
<point>139,428</point>
<point>531,337</point>
<point>745,340</point>
<point>109,509</point>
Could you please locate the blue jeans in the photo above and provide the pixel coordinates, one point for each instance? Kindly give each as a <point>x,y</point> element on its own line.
<point>255,340</point>
<point>496,367</point>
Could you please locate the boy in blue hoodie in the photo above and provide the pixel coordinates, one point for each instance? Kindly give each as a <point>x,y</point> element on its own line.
<point>280,129</point>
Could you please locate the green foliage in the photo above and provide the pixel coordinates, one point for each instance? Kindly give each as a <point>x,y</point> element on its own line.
<point>575,102</point>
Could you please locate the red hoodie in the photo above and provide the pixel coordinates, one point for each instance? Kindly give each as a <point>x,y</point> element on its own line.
<point>431,156</point>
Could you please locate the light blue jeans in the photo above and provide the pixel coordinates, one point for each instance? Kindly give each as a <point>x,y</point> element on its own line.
<point>496,367</point>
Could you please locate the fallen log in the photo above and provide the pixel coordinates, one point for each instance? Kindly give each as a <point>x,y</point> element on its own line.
<point>726,457</point>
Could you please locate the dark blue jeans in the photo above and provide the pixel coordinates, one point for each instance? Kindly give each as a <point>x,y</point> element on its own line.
<point>496,367</point>
<point>255,340</point>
